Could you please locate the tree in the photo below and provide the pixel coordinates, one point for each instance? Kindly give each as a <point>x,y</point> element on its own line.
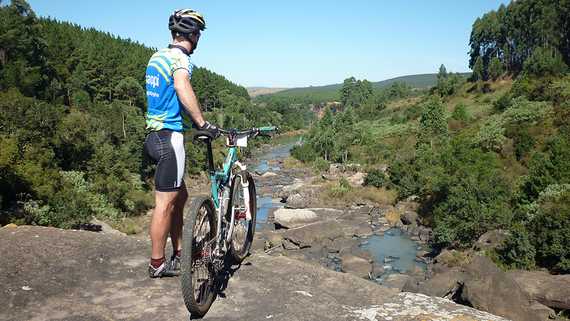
<point>495,68</point>
<point>130,90</point>
<point>478,70</point>
<point>433,124</point>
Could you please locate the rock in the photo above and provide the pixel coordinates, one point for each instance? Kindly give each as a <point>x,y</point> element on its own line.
<point>443,285</point>
<point>290,218</point>
<point>356,265</point>
<point>408,206</point>
<point>268,174</point>
<point>489,289</point>
<point>106,228</point>
<point>396,281</point>
<point>274,239</point>
<point>377,270</point>
<point>450,259</point>
<point>307,235</point>
<point>296,200</point>
<point>413,306</point>
<point>425,234</point>
<point>550,290</point>
<point>336,169</point>
<point>491,240</point>
<point>410,217</point>
<point>357,179</point>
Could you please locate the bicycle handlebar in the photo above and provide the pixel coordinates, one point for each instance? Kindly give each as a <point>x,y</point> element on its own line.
<point>252,132</point>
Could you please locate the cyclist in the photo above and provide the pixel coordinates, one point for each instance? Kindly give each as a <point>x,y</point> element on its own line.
<point>172,108</point>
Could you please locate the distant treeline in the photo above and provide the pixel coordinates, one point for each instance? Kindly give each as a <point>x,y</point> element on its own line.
<point>520,33</point>
<point>72,105</point>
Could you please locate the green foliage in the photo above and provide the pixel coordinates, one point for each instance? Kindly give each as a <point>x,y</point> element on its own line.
<point>320,164</point>
<point>478,70</point>
<point>460,113</point>
<point>433,123</point>
<point>544,62</point>
<point>341,189</point>
<point>355,92</point>
<point>471,198</point>
<point>495,68</point>
<point>502,103</point>
<point>448,83</point>
<point>523,141</point>
<point>492,134</point>
<point>518,251</point>
<point>304,153</point>
<point>376,178</point>
<point>525,35</point>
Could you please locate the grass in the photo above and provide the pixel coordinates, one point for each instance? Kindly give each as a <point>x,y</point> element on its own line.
<point>131,225</point>
<point>335,194</point>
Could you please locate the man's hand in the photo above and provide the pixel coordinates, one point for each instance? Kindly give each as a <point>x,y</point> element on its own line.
<point>210,128</point>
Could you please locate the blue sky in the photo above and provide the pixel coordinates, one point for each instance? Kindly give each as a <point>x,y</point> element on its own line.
<point>298,43</point>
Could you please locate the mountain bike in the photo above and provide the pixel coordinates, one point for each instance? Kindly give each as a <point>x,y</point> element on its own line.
<point>220,224</point>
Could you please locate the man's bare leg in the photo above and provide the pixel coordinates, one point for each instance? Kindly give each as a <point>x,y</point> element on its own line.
<point>178,219</point>
<point>161,221</point>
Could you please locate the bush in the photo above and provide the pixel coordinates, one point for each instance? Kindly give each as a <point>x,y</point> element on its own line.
<point>502,103</point>
<point>492,134</point>
<point>523,141</point>
<point>375,178</point>
<point>545,62</point>
<point>551,231</point>
<point>460,113</point>
<point>320,164</point>
<point>304,153</point>
<point>341,189</point>
<point>518,251</point>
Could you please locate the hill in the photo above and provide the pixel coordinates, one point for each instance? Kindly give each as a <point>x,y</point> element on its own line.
<point>330,92</point>
<point>257,91</point>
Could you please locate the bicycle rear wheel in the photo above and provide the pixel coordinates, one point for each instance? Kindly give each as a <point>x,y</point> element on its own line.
<point>197,270</point>
<point>243,206</point>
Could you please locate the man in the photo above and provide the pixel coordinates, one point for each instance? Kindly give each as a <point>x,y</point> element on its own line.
<point>171,100</point>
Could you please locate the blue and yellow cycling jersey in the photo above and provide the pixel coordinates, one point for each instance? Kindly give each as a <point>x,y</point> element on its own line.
<point>164,109</point>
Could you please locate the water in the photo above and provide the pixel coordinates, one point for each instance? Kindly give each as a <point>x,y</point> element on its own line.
<point>264,205</point>
<point>395,251</point>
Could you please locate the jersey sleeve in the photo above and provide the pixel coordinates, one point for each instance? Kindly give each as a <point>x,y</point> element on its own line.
<point>181,61</point>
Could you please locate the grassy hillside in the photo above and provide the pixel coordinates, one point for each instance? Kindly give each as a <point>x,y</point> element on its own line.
<point>330,92</point>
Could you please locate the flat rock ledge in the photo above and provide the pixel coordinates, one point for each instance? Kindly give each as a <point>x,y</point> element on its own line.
<point>53,274</point>
<point>413,306</point>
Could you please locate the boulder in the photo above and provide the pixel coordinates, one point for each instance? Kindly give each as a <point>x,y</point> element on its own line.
<point>490,240</point>
<point>357,179</point>
<point>410,217</point>
<point>425,234</point>
<point>356,266</point>
<point>296,200</point>
<point>408,206</point>
<point>444,285</point>
<point>550,290</point>
<point>307,235</point>
<point>396,281</point>
<point>268,174</point>
<point>489,289</point>
<point>290,218</point>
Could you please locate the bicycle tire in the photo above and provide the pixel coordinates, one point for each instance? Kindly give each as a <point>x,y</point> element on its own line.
<point>238,255</point>
<point>189,278</point>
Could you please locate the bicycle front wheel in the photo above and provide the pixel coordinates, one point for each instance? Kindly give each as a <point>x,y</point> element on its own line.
<point>243,207</point>
<point>197,270</point>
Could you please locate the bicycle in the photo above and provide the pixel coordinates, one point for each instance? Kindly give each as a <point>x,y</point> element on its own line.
<point>218,224</point>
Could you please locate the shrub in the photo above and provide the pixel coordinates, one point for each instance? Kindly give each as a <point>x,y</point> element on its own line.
<point>524,111</point>
<point>502,103</point>
<point>304,153</point>
<point>341,189</point>
<point>375,178</point>
<point>320,164</point>
<point>492,134</point>
<point>460,113</point>
<point>544,62</point>
<point>551,230</point>
<point>518,251</point>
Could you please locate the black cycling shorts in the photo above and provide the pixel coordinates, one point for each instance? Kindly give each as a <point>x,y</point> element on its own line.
<point>166,149</point>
